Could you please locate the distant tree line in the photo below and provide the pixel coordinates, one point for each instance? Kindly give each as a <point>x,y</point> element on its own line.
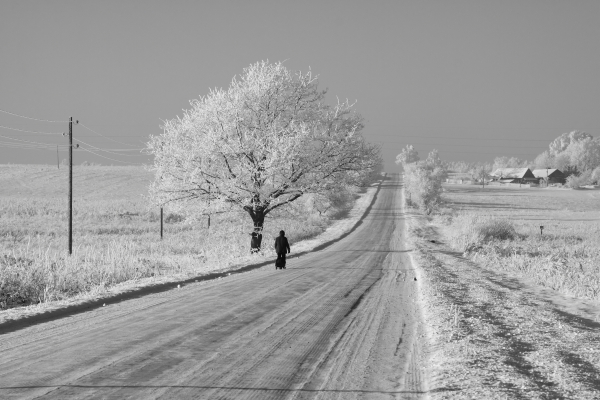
<point>576,154</point>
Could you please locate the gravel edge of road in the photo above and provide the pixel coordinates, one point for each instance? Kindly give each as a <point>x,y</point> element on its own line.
<point>21,317</point>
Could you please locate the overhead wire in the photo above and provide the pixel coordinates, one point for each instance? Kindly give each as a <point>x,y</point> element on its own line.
<point>29,141</point>
<point>494,154</point>
<point>34,119</point>
<point>38,132</point>
<point>26,146</point>
<point>466,138</point>
<point>108,158</point>
<point>115,151</point>
<point>112,152</point>
<point>97,133</point>
<point>457,144</point>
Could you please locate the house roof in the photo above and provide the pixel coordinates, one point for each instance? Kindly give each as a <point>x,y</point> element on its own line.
<point>512,172</point>
<point>541,173</point>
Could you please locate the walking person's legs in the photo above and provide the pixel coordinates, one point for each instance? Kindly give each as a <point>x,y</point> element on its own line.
<point>280,263</point>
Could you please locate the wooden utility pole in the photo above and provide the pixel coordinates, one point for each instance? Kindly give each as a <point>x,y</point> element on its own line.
<point>70,185</point>
<point>161,223</point>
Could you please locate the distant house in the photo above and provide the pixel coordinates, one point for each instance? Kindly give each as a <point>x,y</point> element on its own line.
<point>549,175</point>
<point>514,175</point>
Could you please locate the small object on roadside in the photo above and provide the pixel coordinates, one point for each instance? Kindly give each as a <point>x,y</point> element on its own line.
<point>178,286</point>
<point>229,274</point>
<point>415,278</point>
<point>432,241</point>
<point>104,305</point>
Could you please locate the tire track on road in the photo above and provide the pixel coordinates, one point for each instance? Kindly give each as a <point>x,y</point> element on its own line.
<point>305,332</point>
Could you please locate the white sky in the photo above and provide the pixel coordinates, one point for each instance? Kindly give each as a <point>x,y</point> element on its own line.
<point>509,76</point>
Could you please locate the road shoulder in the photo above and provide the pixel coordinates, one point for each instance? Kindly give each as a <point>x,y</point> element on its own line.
<point>496,337</point>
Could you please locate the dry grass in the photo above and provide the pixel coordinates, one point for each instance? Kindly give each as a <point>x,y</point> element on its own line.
<point>116,237</point>
<point>500,229</point>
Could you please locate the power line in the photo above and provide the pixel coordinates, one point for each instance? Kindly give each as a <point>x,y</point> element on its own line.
<point>28,141</point>
<point>465,127</point>
<point>467,138</point>
<point>26,146</point>
<point>450,144</point>
<point>124,149</point>
<point>97,133</point>
<point>108,158</point>
<point>34,119</point>
<point>478,152</point>
<point>38,132</point>
<point>58,133</point>
<point>112,152</point>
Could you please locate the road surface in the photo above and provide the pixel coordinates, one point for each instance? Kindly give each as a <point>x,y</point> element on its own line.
<point>340,323</point>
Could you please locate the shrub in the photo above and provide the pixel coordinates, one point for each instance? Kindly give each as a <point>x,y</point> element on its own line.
<point>575,182</point>
<point>471,230</point>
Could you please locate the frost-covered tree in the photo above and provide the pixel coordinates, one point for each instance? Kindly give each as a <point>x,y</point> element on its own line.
<point>572,153</point>
<point>480,173</point>
<point>433,159</point>
<point>506,162</point>
<point>584,154</point>
<point>459,166</point>
<point>576,181</point>
<point>423,183</point>
<point>596,176</point>
<point>544,160</point>
<point>435,162</point>
<point>408,155</point>
<point>260,144</point>
<point>561,143</point>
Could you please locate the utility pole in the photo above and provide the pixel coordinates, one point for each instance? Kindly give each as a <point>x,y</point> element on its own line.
<point>70,185</point>
<point>161,223</point>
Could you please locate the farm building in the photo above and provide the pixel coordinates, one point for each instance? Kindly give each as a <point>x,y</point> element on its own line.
<point>514,175</point>
<point>554,175</point>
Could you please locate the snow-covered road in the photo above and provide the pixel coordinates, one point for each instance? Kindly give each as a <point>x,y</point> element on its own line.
<point>340,323</point>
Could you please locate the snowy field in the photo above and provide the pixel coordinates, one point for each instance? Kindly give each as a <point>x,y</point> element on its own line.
<point>117,245</point>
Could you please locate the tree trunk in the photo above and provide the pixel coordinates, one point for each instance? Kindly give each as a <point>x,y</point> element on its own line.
<point>255,243</point>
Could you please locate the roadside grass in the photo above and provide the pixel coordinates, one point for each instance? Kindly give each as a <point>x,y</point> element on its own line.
<point>500,230</point>
<point>116,238</point>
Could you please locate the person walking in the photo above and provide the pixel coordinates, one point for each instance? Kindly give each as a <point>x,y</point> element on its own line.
<point>282,247</point>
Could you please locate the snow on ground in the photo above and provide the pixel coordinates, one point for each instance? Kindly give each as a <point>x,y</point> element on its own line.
<point>499,337</point>
<point>335,231</point>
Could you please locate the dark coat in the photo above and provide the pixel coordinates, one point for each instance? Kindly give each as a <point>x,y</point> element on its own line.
<point>281,245</point>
